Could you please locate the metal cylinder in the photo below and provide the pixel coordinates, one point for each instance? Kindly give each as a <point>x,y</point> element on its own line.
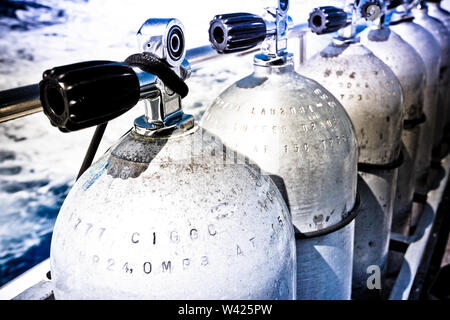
<point>399,56</point>
<point>442,35</point>
<point>401,221</point>
<point>329,256</point>
<point>436,11</point>
<point>376,188</point>
<point>372,96</point>
<point>300,135</point>
<point>172,217</point>
<point>428,49</point>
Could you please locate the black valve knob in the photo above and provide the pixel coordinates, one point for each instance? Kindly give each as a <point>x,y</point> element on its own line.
<point>236,32</point>
<point>86,94</point>
<point>327,19</point>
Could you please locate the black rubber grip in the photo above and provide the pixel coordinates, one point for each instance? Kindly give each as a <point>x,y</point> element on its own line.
<point>236,32</point>
<point>86,94</point>
<point>327,19</point>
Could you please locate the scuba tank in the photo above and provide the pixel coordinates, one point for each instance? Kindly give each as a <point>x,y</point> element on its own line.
<point>403,24</point>
<point>164,214</point>
<point>399,56</point>
<point>442,35</point>
<point>372,96</point>
<point>445,4</point>
<point>299,135</point>
<point>436,11</point>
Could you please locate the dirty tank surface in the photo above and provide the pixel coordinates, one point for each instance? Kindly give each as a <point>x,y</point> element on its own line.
<point>173,216</point>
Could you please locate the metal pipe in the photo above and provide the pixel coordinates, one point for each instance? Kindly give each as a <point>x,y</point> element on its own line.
<point>19,102</point>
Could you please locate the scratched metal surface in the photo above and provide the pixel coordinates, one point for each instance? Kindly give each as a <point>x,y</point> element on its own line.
<point>310,145</point>
<point>372,96</point>
<point>442,35</point>
<point>372,227</point>
<point>168,218</point>
<point>428,49</point>
<point>369,92</point>
<point>400,56</point>
<point>297,132</point>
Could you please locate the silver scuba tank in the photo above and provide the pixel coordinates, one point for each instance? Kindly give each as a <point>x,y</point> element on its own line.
<point>442,35</point>
<point>429,50</point>
<point>436,11</point>
<point>399,56</point>
<point>372,96</point>
<point>164,214</point>
<point>445,4</point>
<point>300,135</point>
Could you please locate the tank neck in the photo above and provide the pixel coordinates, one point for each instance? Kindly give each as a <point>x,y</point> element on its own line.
<point>276,66</point>
<point>435,6</point>
<point>421,9</point>
<point>380,23</point>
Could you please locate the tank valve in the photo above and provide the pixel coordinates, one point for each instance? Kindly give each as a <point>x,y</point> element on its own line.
<point>236,32</point>
<point>329,19</point>
<point>86,94</point>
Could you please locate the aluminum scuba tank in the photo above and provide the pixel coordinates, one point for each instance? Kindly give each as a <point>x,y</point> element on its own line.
<point>445,4</point>
<point>372,96</point>
<point>429,50</point>
<point>436,11</point>
<point>300,135</point>
<point>399,56</point>
<point>442,35</point>
<point>163,214</point>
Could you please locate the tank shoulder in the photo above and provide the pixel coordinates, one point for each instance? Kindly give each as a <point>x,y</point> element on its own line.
<point>370,93</point>
<point>156,224</point>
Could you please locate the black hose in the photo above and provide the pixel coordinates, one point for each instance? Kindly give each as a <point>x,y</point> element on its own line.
<point>92,150</point>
